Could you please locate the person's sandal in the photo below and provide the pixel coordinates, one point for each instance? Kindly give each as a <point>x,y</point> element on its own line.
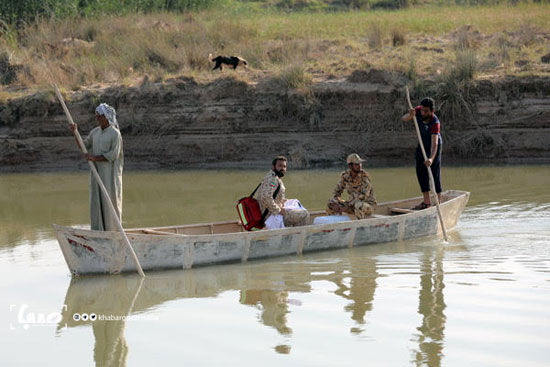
<point>421,206</point>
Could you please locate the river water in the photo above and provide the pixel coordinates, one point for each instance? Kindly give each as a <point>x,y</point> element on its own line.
<point>482,299</point>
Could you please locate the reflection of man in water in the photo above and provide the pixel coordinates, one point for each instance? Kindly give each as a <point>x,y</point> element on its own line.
<point>274,304</point>
<point>361,290</point>
<point>115,297</point>
<point>110,348</point>
<point>431,305</point>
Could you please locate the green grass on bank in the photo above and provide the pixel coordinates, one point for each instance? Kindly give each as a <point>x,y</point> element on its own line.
<point>20,11</point>
<point>17,12</point>
<point>420,42</point>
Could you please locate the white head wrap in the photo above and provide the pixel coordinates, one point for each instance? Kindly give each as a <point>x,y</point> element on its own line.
<point>109,112</point>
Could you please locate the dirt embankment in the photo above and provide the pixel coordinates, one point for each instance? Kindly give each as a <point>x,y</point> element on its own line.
<point>181,124</point>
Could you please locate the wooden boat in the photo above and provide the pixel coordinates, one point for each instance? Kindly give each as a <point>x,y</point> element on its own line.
<point>186,246</point>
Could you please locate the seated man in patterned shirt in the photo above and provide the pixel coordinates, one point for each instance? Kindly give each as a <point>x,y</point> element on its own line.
<point>357,183</point>
<point>271,186</point>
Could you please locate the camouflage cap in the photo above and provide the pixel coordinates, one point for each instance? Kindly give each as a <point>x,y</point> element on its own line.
<point>354,158</point>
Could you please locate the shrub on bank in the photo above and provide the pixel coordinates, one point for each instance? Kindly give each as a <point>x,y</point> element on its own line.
<point>294,77</point>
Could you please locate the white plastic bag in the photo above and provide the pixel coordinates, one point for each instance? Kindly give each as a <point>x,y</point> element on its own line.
<point>331,219</point>
<point>276,221</point>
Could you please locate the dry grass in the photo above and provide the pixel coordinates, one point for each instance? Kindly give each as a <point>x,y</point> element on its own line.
<point>398,37</point>
<point>375,35</point>
<point>293,77</point>
<point>465,66</point>
<point>416,41</point>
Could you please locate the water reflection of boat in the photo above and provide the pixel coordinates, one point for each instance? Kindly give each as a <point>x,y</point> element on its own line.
<point>89,252</point>
<point>130,294</point>
<point>116,298</point>
<point>271,287</point>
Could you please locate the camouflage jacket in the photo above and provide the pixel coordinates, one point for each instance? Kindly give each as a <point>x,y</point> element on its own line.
<point>264,195</point>
<point>358,188</point>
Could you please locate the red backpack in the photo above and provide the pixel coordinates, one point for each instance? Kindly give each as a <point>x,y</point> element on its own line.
<point>250,215</point>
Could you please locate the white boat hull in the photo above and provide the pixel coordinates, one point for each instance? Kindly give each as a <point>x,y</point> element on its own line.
<point>98,252</point>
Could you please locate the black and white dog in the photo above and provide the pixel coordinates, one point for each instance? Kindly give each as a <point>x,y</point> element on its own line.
<point>229,61</point>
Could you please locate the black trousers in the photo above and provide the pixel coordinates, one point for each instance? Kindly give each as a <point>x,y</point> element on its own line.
<point>424,178</point>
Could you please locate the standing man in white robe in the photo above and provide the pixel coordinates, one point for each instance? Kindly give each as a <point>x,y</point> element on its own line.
<point>104,145</point>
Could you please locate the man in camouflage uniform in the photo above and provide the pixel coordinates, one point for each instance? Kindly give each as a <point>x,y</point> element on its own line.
<point>356,182</point>
<point>264,195</point>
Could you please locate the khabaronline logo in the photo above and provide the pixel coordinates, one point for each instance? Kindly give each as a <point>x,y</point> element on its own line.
<point>27,318</point>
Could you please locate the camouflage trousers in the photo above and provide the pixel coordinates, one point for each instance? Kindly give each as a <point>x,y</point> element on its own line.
<point>360,209</point>
<point>296,217</point>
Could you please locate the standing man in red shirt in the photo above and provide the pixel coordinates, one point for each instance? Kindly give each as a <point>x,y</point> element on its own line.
<point>430,131</point>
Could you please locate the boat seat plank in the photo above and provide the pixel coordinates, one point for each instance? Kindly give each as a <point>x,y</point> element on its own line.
<point>401,211</point>
<point>153,231</point>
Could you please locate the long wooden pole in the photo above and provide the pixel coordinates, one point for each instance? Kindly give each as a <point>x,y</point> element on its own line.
<point>432,183</point>
<point>100,182</point>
